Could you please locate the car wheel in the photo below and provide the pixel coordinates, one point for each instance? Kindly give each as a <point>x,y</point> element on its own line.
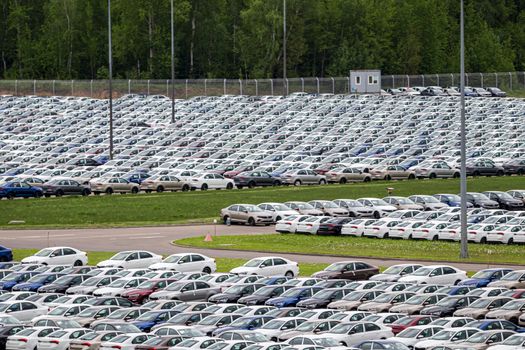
<point>204,187</point>
<point>77,263</point>
<point>38,194</point>
<point>432,176</point>
<point>342,181</point>
<point>367,179</point>
<point>185,188</point>
<point>251,221</point>
<point>9,196</point>
<point>297,183</point>
<point>435,238</point>
<point>225,219</point>
<point>377,215</point>
<point>456,283</point>
<point>59,193</point>
<point>47,195</point>
<point>251,184</point>
<point>388,178</point>
<point>85,192</point>
<point>456,175</point>
<point>206,270</point>
<point>289,274</point>
<point>500,173</point>
<point>476,173</point>
<point>95,193</point>
<point>520,172</point>
<point>278,218</point>
<point>160,189</point>
<point>483,240</point>
<point>322,182</point>
<point>510,241</point>
<point>385,235</point>
<point>277,183</point>
<point>135,190</point>
<point>109,191</point>
<point>229,186</point>
<point>410,236</point>
<point>411,177</point>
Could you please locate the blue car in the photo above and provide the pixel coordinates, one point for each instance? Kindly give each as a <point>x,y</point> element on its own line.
<point>6,254</point>
<point>137,177</point>
<point>292,296</point>
<point>37,281</point>
<point>244,323</point>
<point>11,280</point>
<point>456,290</point>
<point>488,324</point>
<point>452,200</point>
<point>274,280</point>
<point>14,189</point>
<point>149,319</point>
<point>484,277</point>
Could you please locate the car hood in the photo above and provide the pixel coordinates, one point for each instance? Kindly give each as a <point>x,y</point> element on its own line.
<point>242,270</point>
<point>163,266</point>
<point>33,260</point>
<point>384,277</point>
<point>161,294</point>
<point>23,286</point>
<point>326,274</point>
<point>280,300</point>
<point>474,282</point>
<point>110,263</point>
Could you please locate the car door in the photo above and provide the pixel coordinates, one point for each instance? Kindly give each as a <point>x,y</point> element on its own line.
<point>187,293</point>
<point>184,264</point>
<point>132,261</point>
<point>280,267</point>
<point>267,268</point>
<point>69,256</point>
<point>146,259</point>
<point>201,290</point>
<point>56,258</point>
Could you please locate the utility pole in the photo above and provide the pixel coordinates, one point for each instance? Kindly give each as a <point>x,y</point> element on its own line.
<point>463,170</point>
<point>284,49</point>
<point>110,58</point>
<point>172,67</point>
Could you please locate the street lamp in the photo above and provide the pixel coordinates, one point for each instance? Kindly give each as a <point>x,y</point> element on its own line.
<point>172,68</point>
<point>284,48</point>
<point>463,170</point>
<point>110,64</point>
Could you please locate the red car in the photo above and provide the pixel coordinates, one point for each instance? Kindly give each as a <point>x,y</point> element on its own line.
<point>409,321</point>
<point>145,289</point>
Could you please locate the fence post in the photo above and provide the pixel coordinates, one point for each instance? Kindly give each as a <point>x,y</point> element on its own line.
<point>393,82</point>
<point>271,86</point>
<point>349,87</point>
<point>437,77</point>
<point>205,87</point>
<point>72,90</point>
<point>287,87</point>
<point>422,80</point>
<point>186,88</point>
<point>34,87</point>
<point>481,75</point>
<point>333,85</point>
<point>408,80</point>
<point>496,74</point>
<point>452,80</point>
<point>302,84</point>
<point>466,79</point>
<point>90,88</point>
<point>224,86</point>
<point>256,87</point>
<point>129,86</point>
<point>167,87</point>
<point>510,81</point>
<point>240,86</point>
<point>148,87</point>
<point>54,88</point>
<point>16,87</point>
<point>318,90</point>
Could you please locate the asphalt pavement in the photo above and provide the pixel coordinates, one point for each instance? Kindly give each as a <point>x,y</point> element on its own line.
<point>159,240</point>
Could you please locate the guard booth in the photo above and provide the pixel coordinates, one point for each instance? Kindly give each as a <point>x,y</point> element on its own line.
<point>365,81</point>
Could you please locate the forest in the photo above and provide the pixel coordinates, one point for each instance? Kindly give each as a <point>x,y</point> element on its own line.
<point>68,39</point>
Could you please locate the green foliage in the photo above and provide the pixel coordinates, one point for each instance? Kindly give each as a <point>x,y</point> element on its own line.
<point>67,39</point>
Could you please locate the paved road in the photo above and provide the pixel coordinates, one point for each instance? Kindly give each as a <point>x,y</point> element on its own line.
<point>158,239</point>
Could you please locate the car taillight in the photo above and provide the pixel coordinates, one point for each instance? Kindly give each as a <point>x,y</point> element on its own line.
<point>353,226</point>
<point>309,225</point>
<point>116,347</point>
<point>24,340</point>
<point>472,232</point>
<point>376,228</point>
<point>500,233</point>
<point>426,231</point>
<point>194,179</point>
<point>402,229</point>
<point>86,344</point>
<point>54,342</point>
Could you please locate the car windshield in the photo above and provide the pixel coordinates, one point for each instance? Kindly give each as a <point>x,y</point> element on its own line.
<point>91,282</point>
<point>409,333</point>
<point>384,298</point>
<point>172,259</point>
<point>443,335</point>
<point>264,291</point>
<point>26,332</point>
<point>306,326</point>
<point>447,302</point>
<point>273,324</point>
<point>188,343</point>
<point>394,270</point>
<point>480,337</point>
<point>423,271</point>
<point>291,293</point>
<point>120,339</point>
<point>118,283</point>
<point>512,340</point>
<point>217,346</point>
<point>44,252</point>
<point>58,311</point>
<point>88,312</point>
<point>88,336</point>
<point>481,303</point>
<point>513,305</point>
<point>175,287</point>
<point>67,324</point>
<point>324,294</point>
<point>326,342</point>
<point>57,334</point>
<point>255,337</point>
<point>146,285</point>
<point>253,263</point>
<point>417,300</point>
<point>483,274</point>
<point>252,208</point>
<point>511,276</point>
<point>354,296</point>
<point>148,316</point>
<point>120,256</point>
<point>336,267</point>
<point>341,328</point>
<point>210,320</point>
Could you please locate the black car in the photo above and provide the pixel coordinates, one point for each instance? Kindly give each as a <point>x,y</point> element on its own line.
<point>515,167</point>
<point>446,306</point>
<point>479,200</point>
<point>332,226</point>
<point>235,292</point>
<point>61,187</point>
<point>505,200</point>
<point>7,331</point>
<point>432,91</point>
<point>252,179</point>
<point>323,298</point>
<point>484,167</point>
<point>260,296</point>
<point>63,283</point>
<point>496,92</point>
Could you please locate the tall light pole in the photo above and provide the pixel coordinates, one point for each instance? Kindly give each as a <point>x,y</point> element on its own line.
<point>284,48</point>
<point>463,170</point>
<point>110,64</point>
<point>172,67</point>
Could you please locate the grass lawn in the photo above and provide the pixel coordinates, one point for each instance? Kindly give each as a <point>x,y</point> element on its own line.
<point>363,247</point>
<point>223,264</point>
<point>201,207</point>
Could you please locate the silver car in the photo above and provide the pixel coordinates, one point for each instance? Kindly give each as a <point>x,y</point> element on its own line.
<point>302,177</point>
<point>187,291</point>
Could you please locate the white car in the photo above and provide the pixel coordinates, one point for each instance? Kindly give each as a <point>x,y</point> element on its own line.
<point>22,310</point>
<point>478,232</point>
<point>13,296</point>
<point>451,322</point>
<point>504,234</point>
<point>514,342</point>
<point>196,343</point>
<point>58,256</point>
<point>348,334</point>
<point>380,207</point>
<point>435,274</point>
<point>272,329</point>
<point>395,272</point>
<point>27,339</point>
<point>268,266</point>
<point>447,336</point>
<point>415,334</point>
<point>187,262</point>
<point>127,341</point>
<point>429,231</point>
<point>210,181</point>
<point>116,288</point>
<point>380,228</point>
<point>278,210</point>
<point>452,232</point>
<point>60,340</point>
<point>289,223</point>
<point>311,225</point>
<point>404,229</point>
<point>131,259</point>
<point>356,227</point>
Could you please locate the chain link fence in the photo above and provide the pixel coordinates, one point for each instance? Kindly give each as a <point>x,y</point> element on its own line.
<point>187,88</point>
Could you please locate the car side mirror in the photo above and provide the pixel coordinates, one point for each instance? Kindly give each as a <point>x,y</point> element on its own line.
<point>246,212</point>
<point>420,336</point>
<point>262,266</point>
<point>52,256</point>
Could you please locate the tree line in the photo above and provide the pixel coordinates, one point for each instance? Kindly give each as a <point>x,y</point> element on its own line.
<point>67,39</point>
